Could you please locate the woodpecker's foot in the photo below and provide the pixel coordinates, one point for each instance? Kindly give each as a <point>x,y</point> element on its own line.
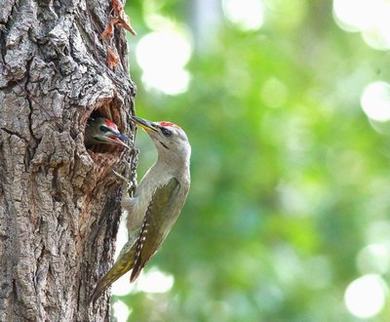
<point>123,179</point>
<point>131,145</point>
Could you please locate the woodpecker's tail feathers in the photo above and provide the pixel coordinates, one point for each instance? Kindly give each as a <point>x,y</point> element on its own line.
<point>124,263</point>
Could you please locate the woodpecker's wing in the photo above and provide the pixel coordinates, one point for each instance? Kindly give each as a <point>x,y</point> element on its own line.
<point>153,231</point>
<point>135,254</point>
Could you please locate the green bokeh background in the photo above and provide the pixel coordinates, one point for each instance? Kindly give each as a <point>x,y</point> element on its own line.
<point>290,180</point>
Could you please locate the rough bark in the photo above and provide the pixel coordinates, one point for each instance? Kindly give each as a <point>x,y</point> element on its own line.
<point>59,203</point>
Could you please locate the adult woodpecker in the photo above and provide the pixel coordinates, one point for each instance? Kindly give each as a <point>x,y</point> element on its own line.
<point>101,130</point>
<point>157,202</point>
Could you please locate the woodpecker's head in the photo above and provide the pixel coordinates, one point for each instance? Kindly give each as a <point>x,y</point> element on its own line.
<point>103,131</point>
<point>170,139</point>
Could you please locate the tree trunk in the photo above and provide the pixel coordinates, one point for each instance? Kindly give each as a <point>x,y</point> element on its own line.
<point>59,202</point>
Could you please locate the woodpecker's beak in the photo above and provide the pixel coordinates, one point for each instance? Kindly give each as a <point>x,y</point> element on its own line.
<point>145,124</point>
<point>118,139</point>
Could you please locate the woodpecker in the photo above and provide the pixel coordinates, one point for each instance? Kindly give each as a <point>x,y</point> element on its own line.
<point>157,202</point>
<point>101,130</point>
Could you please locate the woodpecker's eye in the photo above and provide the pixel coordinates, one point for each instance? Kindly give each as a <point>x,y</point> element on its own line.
<point>166,132</point>
<point>104,129</point>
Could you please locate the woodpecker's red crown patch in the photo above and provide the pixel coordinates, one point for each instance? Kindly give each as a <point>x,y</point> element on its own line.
<point>165,123</point>
<point>110,124</point>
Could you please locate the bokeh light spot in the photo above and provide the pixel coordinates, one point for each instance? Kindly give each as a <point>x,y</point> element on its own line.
<point>170,47</point>
<point>247,14</point>
<point>121,311</point>
<point>122,286</point>
<point>155,281</point>
<point>353,15</point>
<point>371,17</point>
<point>151,281</point>
<point>162,56</point>
<point>378,232</point>
<point>365,297</point>
<point>375,101</point>
<point>378,37</point>
<point>374,258</point>
<point>174,83</point>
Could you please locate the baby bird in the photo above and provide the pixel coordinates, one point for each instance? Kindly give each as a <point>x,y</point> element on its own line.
<point>101,130</point>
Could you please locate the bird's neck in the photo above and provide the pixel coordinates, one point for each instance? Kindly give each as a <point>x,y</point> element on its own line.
<point>174,161</point>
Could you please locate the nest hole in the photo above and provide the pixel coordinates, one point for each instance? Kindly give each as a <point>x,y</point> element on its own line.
<point>100,151</point>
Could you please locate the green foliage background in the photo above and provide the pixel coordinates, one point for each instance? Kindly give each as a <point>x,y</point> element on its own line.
<point>288,185</point>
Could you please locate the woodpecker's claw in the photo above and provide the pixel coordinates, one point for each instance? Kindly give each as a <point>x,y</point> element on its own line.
<point>123,178</point>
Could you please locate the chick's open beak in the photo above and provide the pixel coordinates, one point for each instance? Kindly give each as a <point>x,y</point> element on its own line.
<point>145,124</point>
<point>119,139</point>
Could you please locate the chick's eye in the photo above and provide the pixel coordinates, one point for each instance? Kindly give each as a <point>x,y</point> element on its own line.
<point>104,128</point>
<point>166,132</point>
